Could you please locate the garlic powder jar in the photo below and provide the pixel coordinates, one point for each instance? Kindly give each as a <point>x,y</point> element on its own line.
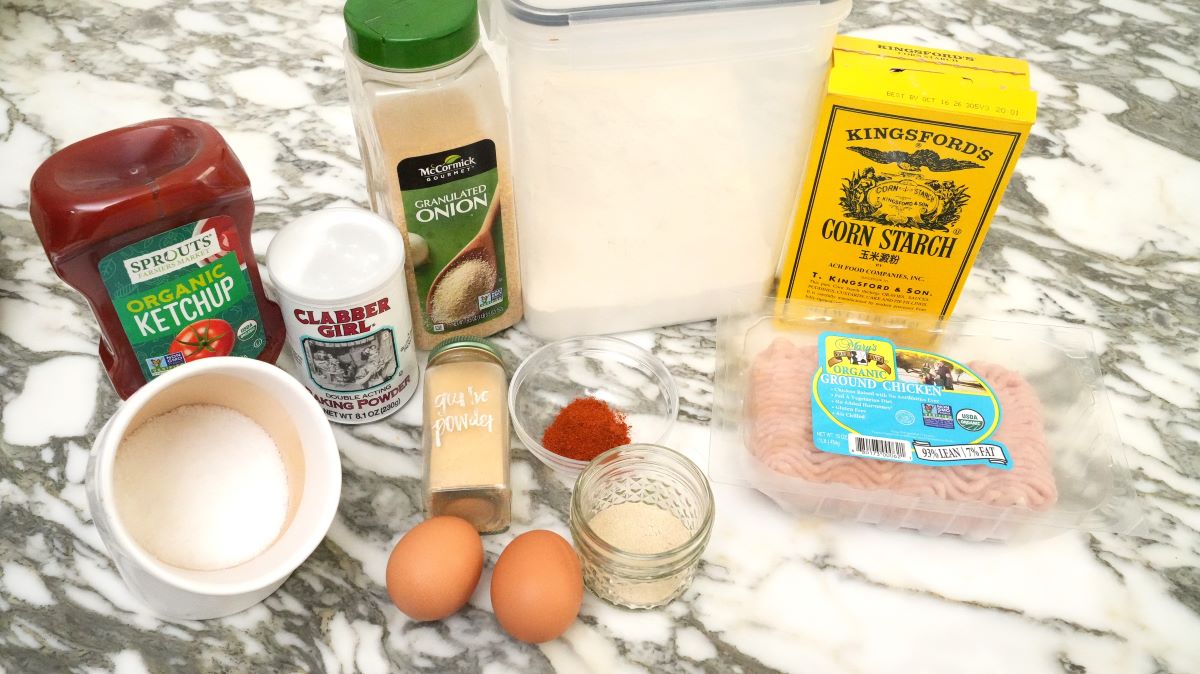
<point>339,275</point>
<point>466,439</point>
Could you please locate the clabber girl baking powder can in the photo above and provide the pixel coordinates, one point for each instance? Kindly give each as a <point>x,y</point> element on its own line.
<point>339,275</point>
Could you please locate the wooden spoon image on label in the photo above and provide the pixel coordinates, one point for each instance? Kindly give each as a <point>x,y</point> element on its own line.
<point>454,293</point>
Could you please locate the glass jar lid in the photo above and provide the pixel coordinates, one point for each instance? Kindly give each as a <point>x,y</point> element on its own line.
<point>481,346</point>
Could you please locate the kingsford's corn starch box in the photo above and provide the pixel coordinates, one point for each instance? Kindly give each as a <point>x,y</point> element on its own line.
<point>913,151</point>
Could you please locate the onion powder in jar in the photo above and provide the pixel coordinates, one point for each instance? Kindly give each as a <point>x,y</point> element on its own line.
<point>339,274</point>
<point>641,516</point>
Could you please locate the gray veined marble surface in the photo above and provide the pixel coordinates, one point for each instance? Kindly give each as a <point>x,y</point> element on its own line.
<point>1099,228</point>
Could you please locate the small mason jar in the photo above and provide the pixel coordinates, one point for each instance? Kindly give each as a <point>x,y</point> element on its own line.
<point>466,443</point>
<point>661,550</point>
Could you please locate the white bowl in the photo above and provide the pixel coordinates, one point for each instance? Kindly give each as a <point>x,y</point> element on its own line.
<point>286,410</point>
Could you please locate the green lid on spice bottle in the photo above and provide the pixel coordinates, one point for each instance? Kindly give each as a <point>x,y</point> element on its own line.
<point>410,34</point>
<point>466,343</point>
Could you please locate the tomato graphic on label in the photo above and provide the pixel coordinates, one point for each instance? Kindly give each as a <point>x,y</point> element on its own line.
<point>227,237</point>
<point>204,339</point>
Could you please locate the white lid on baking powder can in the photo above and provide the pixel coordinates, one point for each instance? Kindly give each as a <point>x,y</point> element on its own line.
<point>339,277</point>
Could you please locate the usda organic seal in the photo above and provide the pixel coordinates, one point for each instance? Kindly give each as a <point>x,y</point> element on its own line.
<point>969,420</point>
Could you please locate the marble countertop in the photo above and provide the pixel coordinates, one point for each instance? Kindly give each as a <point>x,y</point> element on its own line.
<point>1098,228</point>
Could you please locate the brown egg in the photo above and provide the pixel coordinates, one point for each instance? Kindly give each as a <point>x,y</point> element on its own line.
<point>537,586</point>
<point>435,567</point>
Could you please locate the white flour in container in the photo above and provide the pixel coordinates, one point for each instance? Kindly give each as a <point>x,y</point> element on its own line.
<point>201,487</point>
<point>646,193</point>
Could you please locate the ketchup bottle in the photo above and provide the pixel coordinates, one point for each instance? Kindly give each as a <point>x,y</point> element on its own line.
<point>151,222</point>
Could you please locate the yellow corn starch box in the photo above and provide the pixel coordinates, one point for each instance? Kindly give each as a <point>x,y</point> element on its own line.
<point>914,148</point>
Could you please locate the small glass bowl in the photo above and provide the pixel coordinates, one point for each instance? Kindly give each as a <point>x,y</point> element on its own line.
<point>627,377</point>
<point>651,475</point>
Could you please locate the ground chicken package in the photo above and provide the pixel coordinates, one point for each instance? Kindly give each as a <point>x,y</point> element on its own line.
<point>913,150</point>
<point>985,429</point>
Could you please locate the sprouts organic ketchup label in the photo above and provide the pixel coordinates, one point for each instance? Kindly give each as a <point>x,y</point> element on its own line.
<point>184,295</point>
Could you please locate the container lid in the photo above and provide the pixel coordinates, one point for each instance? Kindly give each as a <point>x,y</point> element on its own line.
<point>475,343</point>
<point>336,256</point>
<point>411,34</point>
<point>563,12</point>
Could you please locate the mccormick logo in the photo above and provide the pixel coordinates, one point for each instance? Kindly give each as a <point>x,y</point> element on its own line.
<point>451,165</point>
<point>166,260</point>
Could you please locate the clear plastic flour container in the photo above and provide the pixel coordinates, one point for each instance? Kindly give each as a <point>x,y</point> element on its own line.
<point>657,148</point>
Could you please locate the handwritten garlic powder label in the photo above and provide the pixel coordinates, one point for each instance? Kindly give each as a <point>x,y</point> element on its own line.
<point>457,411</point>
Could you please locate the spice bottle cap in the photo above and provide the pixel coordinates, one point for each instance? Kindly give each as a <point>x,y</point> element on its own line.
<point>410,34</point>
<point>465,343</point>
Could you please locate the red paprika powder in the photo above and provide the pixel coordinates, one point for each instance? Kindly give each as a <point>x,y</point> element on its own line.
<point>584,429</point>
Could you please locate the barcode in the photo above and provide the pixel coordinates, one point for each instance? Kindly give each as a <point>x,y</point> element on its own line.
<point>883,448</point>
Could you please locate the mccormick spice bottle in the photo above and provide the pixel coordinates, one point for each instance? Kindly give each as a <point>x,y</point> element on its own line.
<point>151,222</point>
<point>466,434</point>
<point>434,141</point>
